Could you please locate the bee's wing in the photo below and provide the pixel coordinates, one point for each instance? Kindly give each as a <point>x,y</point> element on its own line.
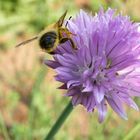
<point>27,41</point>
<point>61,19</point>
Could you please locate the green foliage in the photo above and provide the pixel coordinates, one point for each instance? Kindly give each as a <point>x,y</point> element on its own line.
<point>45,100</point>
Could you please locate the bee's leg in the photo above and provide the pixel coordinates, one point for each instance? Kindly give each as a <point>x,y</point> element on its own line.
<point>63,40</point>
<point>73,44</point>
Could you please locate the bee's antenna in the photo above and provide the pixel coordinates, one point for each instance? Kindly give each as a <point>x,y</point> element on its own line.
<point>67,21</point>
<point>26,41</point>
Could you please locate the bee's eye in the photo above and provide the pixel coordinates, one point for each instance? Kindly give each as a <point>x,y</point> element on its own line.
<point>47,40</point>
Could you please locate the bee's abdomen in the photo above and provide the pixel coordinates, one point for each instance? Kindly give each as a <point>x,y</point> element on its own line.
<point>47,40</point>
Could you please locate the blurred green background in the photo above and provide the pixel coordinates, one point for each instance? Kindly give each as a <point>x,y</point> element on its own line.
<point>29,99</point>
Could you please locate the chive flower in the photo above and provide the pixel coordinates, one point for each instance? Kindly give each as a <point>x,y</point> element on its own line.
<point>104,71</point>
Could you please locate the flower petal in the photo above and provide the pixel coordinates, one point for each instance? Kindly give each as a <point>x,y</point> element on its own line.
<point>116,105</point>
<point>98,94</point>
<point>102,110</point>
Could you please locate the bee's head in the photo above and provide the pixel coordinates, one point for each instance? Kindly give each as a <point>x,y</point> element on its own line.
<point>47,40</point>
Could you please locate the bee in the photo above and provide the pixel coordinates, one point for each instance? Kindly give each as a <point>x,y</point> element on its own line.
<point>52,36</point>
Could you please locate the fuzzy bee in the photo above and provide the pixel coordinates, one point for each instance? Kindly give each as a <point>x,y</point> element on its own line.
<point>52,36</point>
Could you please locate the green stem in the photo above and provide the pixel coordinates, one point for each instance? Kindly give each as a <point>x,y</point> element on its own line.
<point>59,121</point>
<point>133,132</point>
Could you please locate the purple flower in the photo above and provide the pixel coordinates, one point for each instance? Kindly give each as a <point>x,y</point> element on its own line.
<point>104,69</point>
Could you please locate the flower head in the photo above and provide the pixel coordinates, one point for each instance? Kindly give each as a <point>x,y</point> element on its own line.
<point>104,69</point>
